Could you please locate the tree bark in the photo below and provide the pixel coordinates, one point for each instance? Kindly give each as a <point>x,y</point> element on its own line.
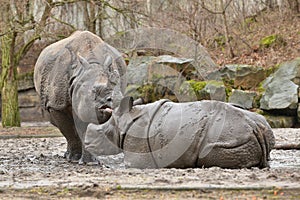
<point>226,31</point>
<point>9,84</point>
<point>294,6</point>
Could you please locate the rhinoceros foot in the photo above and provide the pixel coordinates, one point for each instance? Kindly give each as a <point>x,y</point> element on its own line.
<point>72,157</point>
<point>88,159</point>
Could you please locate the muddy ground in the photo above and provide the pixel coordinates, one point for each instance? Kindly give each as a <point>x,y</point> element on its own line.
<point>32,166</point>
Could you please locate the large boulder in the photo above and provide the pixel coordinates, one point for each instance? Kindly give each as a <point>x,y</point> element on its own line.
<point>281,89</point>
<point>203,90</point>
<point>240,76</point>
<point>215,90</point>
<point>158,77</point>
<point>242,98</point>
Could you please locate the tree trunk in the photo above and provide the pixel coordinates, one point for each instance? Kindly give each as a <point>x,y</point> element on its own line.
<point>294,6</point>
<point>230,52</point>
<point>10,107</point>
<point>9,84</point>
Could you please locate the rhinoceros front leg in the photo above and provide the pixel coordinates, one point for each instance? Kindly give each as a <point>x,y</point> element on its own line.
<point>81,128</point>
<point>65,123</point>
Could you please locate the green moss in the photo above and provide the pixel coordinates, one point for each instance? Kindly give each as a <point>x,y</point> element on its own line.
<point>271,70</point>
<point>118,187</point>
<point>25,76</point>
<point>229,83</point>
<point>228,92</point>
<point>256,100</point>
<point>157,77</point>
<point>271,41</point>
<point>193,88</point>
<point>259,111</point>
<point>215,83</point>
<point>260,89</point>
<point>197,85</point>
<point>147,92</point>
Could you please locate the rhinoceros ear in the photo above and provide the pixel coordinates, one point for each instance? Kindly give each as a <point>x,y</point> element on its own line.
<point>108,63</point>
<point>113,75</point>
<point>85,64</point>
<point>125,105</point>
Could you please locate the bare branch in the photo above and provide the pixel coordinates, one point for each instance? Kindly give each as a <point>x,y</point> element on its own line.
<point>64,23</point>
<point>25,48</point>
<point>216,12</point>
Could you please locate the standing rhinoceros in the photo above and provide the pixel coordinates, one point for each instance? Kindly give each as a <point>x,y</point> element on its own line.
<point>182,135</point>
<point>78,80</point>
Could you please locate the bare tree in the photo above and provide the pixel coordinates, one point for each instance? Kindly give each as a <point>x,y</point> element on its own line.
<point>224,4</point>
<point>16,20</point>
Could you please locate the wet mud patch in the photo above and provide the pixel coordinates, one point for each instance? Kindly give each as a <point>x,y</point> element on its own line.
<point>37,163</point>
<point>107,193</point>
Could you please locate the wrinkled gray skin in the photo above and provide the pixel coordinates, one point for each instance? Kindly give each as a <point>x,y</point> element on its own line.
<point>78,80</point>
<point>183,135</point>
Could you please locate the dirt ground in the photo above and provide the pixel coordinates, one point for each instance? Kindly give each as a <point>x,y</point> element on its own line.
<point>32,167</point>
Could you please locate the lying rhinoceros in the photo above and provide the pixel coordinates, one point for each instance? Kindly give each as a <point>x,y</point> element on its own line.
<point>78,80</point>
<point>183,135</point>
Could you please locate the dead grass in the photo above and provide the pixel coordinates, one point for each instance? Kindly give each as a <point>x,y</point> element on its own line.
<point>246,41</point>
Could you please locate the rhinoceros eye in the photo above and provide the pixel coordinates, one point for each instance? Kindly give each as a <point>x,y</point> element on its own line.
<point>108,99</point>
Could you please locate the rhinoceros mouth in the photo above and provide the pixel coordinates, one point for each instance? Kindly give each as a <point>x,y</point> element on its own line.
<point>105,108</point>
<point>104,112</point>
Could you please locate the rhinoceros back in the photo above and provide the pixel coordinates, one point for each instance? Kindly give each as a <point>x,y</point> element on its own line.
<point>54,66</point>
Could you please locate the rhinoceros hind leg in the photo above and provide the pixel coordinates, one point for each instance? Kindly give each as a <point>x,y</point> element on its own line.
<point>65,123</point>
<point>244,156</point>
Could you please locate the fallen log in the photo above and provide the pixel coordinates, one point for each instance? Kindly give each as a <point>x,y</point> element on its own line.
<point>287,146</point>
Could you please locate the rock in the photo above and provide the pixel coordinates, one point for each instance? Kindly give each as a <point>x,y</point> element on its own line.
<point>216,91</point>
<point>166,41</point>
<point>280,121</point>
<point>189,90</point>
<point>173,60</point>
<point>202,90</point>
<point>137,70</point>
<point>133,91</point>
<point>147,69</point>
<point>243,98</point>
<point>240,76</point>
<point>280,90</point>
<point>162,76</point>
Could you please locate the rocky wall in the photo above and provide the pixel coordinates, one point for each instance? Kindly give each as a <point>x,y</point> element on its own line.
<point>274,95</point>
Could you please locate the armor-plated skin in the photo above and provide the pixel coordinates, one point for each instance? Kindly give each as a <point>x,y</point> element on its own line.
<point>78,79</point>
<point>183,135</point>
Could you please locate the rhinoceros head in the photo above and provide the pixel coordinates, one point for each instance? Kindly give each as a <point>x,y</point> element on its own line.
<point>106,138</point>
<point>95,89</point>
